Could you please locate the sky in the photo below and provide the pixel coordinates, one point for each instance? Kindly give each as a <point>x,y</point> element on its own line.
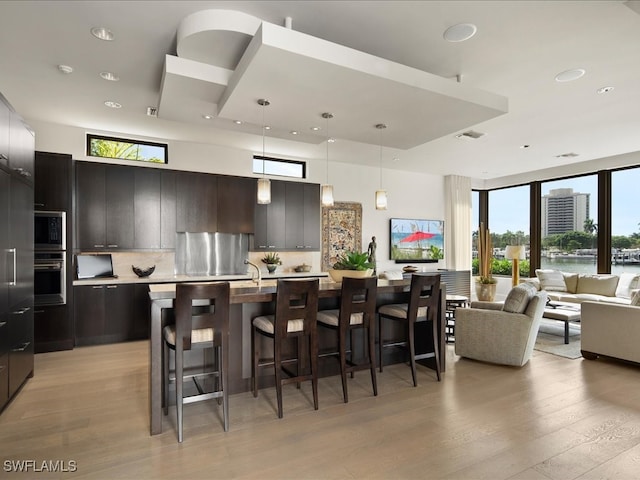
<point>513,213</point>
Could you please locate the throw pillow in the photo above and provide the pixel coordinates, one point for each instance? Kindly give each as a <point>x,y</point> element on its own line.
<point>571,280</point>
<point>635,300</point>
<point>518,299</point>
<point>551,280</point>
<point>598,284</point>
<point>627,283</point>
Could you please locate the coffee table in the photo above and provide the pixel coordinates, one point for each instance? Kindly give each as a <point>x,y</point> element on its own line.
<point>564,312</point>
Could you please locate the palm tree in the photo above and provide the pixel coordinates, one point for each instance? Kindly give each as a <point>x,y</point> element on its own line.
<point>590,227</point>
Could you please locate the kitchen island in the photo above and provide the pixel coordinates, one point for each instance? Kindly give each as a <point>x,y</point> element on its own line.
<point>249,301</point>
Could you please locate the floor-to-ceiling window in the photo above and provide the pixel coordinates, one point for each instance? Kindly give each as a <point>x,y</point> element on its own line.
<point>625,221</point>
<point>569,224</point>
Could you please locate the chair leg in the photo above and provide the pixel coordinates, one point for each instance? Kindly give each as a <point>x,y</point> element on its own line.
<point>277,366</point>
<point>179,379</point>
<point>342,349</point>
<point>412,351</point>
<point>436,350</point>
<point>380,344</point>
<point>255,354</point>
<point>372,358</point>
<point>224,379</point>
<point>165,376</point>
<point>313,353</point>
<point>350,348</point>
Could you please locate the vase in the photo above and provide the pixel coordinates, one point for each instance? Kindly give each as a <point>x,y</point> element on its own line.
<point>338,275</point>
<point>271,267</point>
<point>486,292</point>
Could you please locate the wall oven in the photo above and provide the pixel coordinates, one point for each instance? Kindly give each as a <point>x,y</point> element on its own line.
<point>50,278</point>
<point>50,231</point>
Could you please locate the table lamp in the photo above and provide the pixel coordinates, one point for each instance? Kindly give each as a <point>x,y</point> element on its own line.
<point>515,253</point>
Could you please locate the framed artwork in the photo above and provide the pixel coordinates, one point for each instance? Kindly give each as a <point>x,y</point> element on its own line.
<point>341,231</point>
<point>414,240</point>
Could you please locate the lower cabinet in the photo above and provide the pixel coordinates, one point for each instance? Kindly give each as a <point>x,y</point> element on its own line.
<point>111,313</point>
<point>53,328</point>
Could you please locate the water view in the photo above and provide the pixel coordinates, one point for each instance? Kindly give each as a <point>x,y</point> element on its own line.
<point>583,265</point>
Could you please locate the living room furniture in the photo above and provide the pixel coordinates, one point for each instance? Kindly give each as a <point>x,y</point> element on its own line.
<point>565,312</point>
<point>295,318</point>
<point>424,298</point>
<point>610,330</point>
<point>357,312</point>
<point>208,327</point>
<point>515,253</point>
<point>497,336</point>
<point>453,303</point>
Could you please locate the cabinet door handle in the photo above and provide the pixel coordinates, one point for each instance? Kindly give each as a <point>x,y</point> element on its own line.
<point>113,245</point>
<point>38,204</point>
<point>98,246</point>
<point>272,246</point>
<point>2,324</point>
<point>97,286</point>
<point>112,286</point>
<point>15,266</point>
<point>22,347</point>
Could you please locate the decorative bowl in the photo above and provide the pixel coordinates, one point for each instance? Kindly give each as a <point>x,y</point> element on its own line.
<point>303,268</point>
<point>410,269</point>
<point>143,272</point>
<point>338,275</point>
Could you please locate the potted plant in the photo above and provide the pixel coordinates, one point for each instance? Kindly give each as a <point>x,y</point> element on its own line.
<point>485,283</point>
<point>351,264</point>
<point>272,259</point>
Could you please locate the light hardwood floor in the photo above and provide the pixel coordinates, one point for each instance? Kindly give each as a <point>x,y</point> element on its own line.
<point>552,419</point>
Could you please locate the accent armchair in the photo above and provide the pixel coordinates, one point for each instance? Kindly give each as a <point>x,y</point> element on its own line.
<point>498,333</point>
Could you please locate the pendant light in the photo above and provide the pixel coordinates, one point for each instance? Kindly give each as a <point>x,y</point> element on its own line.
<point>326,193</point>
<point>264,184</point>
<point>381,195</point>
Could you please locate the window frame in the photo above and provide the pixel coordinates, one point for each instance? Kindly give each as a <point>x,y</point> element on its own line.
<point>264,158</point>
<point>93,136</point>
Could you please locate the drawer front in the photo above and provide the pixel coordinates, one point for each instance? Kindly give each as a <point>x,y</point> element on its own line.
<point>4,379</point>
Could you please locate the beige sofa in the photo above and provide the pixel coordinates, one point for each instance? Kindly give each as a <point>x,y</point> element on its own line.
<point>610,330</point>
<point>580,287</point>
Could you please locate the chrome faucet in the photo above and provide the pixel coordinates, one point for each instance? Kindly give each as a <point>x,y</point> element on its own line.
<point>247,262</point>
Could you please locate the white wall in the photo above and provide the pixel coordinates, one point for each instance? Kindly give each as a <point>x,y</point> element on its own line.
<point>410,195</point>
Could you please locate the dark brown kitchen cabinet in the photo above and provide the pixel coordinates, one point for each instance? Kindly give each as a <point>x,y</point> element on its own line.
<point>53,179</point>
<point>197,202</point>
<point>110,313</point>
<point>302,216</point>
<point>21,148</point>
<point>168,210</point>
<point>147,207</point>
<point>236,204</point>
<point>269,220</point>
<point>53,328</point>
<point>104,206</point>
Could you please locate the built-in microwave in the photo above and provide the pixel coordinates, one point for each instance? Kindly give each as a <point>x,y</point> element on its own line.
<point>50,231</point>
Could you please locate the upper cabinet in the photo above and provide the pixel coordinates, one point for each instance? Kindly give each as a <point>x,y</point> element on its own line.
<point>291,221</point>
<point>236,204</point>
<point>104,206</point>
<point>52,188</point>
<point>197,202</point>
<point>21,148</point>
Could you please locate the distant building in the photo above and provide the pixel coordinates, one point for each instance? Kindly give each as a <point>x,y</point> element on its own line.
<point>564,210</point>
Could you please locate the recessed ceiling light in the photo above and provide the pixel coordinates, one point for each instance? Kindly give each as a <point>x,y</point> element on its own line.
<point>111,104</point>
<point>238,122</point>
<point>570,75</point>
<point>470,134</point>
<point>109,76</point>
<point>331,140</point>
<point>207,116</point>
<point>460,32</point>
<point>65,69</point>
<point>525,146</point>
<point>567,155</point>
<point>605,89</point>
<point>293,132</point>
<point>315,129</point>
<point>267,127</point>
<point>102,33</point>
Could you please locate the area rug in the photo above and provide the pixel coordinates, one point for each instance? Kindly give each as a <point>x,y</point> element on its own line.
<point>551,339</point>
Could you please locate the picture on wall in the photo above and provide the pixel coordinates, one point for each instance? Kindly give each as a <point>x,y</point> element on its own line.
<point>413,240</point>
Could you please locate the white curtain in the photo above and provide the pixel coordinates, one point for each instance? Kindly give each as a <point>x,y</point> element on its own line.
<point>457,225</point>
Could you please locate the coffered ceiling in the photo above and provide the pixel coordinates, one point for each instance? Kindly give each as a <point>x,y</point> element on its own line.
<point>367,62</point>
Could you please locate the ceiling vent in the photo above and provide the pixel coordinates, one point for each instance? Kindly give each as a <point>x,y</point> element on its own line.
<point>567,155</point>
<point>470,134</point>
<point>152,111</point>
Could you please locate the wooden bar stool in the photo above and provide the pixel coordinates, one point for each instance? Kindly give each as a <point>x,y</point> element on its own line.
<point>295,317</point>
<point>424,299</point>
<point>202,321</point>
<point>357,311</point>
